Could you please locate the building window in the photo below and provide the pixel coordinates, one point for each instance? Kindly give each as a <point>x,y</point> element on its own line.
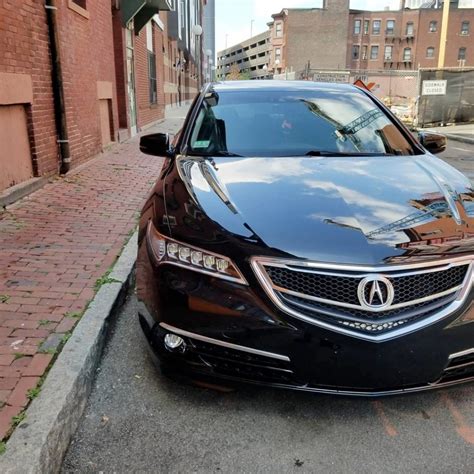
<point>151,63</point>
<point>366,27</point>
<point>433,26</point>
<point>81,3</point>
<point>462,54</point>
<point>407,55</point>
<point>355,51</point>
<point>364,52</point>
<point>388,54</point>
<point>357,25</point>
<point>152,77</point>
<point>279,30</point>
<point>430,52</point>
<point>465,28</point>
<point>278,54</point>
<point>376,27</point>
<point>390,27</point>
<point>374,52</point>
<point>410,30</point>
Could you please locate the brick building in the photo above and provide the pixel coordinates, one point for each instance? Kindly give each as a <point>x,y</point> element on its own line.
<point>409,38</point>
<point>303,36</point>
<point>336,37</point>
<point>78,75</point>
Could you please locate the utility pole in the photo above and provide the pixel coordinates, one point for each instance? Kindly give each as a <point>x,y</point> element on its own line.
<point>251,27</point>
<point>444,34</point>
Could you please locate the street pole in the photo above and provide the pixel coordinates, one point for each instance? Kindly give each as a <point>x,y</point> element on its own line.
<point>251,28</point>
<point>444,34</point>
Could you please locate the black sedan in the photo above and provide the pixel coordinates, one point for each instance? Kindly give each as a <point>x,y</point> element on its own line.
<point>300,236</point>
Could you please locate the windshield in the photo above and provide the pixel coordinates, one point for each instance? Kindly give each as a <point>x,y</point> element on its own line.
<point>294,123</point>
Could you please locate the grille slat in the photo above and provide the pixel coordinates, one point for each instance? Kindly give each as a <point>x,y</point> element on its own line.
<point>344,289</point>
<point>332,296</point>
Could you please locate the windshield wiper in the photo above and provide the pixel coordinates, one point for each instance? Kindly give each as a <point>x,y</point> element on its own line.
<point>226,153</point>
<point>216,154</point>
<point>339,153</point>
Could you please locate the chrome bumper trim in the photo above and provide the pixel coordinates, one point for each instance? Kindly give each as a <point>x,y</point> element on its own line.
<point>461,354</point>
<point>355,393</point>
<point>218,342</point>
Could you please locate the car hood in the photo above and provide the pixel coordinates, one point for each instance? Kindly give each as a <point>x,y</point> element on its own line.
<point>339,209</point>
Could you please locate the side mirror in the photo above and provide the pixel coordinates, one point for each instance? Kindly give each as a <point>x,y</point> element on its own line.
<point>434,142</point>
<point>156,144</point>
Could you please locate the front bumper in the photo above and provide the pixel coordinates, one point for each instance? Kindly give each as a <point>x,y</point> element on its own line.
<point>234,334</point>
<point>212,360</point>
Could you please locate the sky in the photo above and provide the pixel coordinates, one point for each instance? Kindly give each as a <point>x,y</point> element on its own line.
<point>233,17</point>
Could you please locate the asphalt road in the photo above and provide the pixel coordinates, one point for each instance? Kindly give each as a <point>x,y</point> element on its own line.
<point>461,156</point>
<point>137,421</point>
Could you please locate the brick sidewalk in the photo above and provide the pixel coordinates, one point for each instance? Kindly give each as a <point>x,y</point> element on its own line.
<point>55,245</point>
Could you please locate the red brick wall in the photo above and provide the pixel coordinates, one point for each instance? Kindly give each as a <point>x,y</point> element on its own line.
<point>87,52</point>
<point>423,38</point>
<point>120,70</point>
<point>454,41</point>
<point>397,40</point>
<point>149,113</point>
<point>24,49</point>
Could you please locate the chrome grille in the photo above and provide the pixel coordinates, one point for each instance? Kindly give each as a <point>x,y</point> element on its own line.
<point>337,296</point>
<point>366,321</point>
<point>343,289</point>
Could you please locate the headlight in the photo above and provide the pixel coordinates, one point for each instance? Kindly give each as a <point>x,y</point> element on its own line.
<point>166,250</point>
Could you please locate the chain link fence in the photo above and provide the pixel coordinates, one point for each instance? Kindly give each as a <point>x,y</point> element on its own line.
<point>418,98</point>
<point>446,96</point>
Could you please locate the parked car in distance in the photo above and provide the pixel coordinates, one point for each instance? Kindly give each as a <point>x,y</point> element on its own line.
<point>299,236</point>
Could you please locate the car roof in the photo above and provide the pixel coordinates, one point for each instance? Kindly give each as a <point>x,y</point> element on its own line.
<point>272,85</point>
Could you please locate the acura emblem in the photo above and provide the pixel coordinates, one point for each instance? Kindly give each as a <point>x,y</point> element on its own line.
<point>375,292</point>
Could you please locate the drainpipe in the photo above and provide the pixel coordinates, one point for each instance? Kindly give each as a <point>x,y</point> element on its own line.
<point>58,87</point>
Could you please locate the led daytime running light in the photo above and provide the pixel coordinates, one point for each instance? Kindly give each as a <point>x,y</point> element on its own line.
<point>166,250</point>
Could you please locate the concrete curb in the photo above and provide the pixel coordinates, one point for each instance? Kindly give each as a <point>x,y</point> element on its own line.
<point>15,193</point>
<point>457,138</point>
<point>39,443</point>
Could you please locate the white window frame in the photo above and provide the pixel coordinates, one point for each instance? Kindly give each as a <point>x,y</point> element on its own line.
<point>394,25</point>
<point>380,27</point>
<point>357,21</point>
<point>465,32</point>
<point>378,51</point>
<point>278,29</point>
<point>149,37</point>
